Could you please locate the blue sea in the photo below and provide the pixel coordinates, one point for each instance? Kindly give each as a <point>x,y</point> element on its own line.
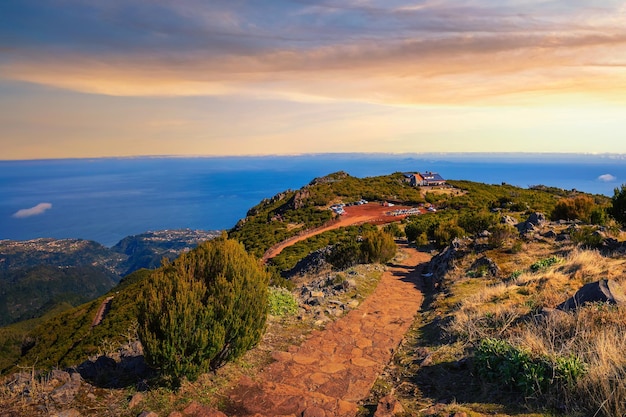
<point>110,198</point>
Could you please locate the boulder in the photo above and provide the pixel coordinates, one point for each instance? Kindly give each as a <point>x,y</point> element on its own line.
<point>563,237</point>
<point>534,222</point>
<point>508,220</point>
<point>388,406</point>
<point>550,234</point>
<point>603,291</point>
<point>65,393</point>
<point>488,263</point>
<point>444,261</point>
<point>537,219</point>
<point>136,400</point>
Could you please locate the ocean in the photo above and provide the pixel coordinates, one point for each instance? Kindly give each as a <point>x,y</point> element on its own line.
<point>110,198</point>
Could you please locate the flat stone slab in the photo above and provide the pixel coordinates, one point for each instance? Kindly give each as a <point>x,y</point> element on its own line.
<point>335,368</point>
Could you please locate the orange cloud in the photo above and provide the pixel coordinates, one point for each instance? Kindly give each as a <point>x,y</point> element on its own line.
<point>469,68</point>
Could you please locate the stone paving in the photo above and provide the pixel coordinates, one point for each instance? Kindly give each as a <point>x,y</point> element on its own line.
<point>335,368</point>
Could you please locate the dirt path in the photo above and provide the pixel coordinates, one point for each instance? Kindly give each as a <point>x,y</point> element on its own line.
<point>367,213</point>
<point>336,367</point>
<point>102,311</point>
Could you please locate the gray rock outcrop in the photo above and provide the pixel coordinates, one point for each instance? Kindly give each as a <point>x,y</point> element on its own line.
<point>508,220</point>
<point>603,291</point>
<point>444,261</point>
<point>534,222</point>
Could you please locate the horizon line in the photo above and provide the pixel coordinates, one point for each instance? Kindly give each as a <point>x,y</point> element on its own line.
<point>335,154</point>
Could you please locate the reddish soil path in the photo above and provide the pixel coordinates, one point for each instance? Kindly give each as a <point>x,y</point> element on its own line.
<point>101,312</point>
<point>336,367</point>
<point>366,213</point>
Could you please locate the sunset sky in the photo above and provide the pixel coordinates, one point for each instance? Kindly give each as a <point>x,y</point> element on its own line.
<point>89,78</point>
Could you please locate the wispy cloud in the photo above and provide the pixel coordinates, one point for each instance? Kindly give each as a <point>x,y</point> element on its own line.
<point>391,52</point>
<point>33,211</point>
<point>607,178</point>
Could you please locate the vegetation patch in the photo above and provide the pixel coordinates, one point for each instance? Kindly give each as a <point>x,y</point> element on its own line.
<point>282,302</point>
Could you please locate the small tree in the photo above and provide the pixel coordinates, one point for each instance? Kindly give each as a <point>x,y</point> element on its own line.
<point>206,308</point>
<point>618,208</point>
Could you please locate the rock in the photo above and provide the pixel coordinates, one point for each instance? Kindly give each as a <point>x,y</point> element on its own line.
<point>563,237</point>
<point>537,219</point>
<point>148,414</point>
<point>550,234</point>
<point>65,393</point>
<point>604,291</point>
<point>508,220</point>
<point>388,406</point>
<point>136,400</point>
<point>610,243</point>
<point>441,263</point>
<point>489,264</point>
<point>313,263</point>
<point>197,410</point>
<point>533,223</point>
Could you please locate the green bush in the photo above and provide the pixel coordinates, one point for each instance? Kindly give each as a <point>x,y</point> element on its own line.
<point>282,302</point>
<point>474,222</point>
<point>501,234</point>
<point>446,232</point>
<point>544,263</point>
<point>618,204</point>
<point>378,247</point>
<point>586,236</point>
<point>345,255</point>
<point>498,361</point>
<point>579,207</point>
<point>206,308</point>
<point>394,230</point>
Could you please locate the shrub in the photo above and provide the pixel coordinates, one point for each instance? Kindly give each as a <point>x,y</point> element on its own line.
<point>422,240</point>
<point>206,308</point>
<point>419,225</point>
<point>516,368</point>
<point>446,232</point>
<point>394,230</point>
<point>378,247</point>
<point>579,207</point>
<point>586,236</point>
<point>282,302</point>
<point>475,222</point>
<point>501,234</point>
<point>344,255</point>
<point>544,263</point>
<point>618,204</point>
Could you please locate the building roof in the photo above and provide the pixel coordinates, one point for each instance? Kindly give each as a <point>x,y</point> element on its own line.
<point>431,176</point>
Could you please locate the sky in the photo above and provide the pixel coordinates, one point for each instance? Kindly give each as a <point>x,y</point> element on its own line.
<point>93,78</point>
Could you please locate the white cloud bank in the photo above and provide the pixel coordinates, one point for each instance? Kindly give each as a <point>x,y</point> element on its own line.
<point>33,211</point>
<point>607,178</point>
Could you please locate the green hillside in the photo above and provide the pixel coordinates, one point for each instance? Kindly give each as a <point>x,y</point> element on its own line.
<point>30,293</point>
<point>467,210</point>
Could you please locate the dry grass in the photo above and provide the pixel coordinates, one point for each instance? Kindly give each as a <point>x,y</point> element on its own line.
<point>595,334</point>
